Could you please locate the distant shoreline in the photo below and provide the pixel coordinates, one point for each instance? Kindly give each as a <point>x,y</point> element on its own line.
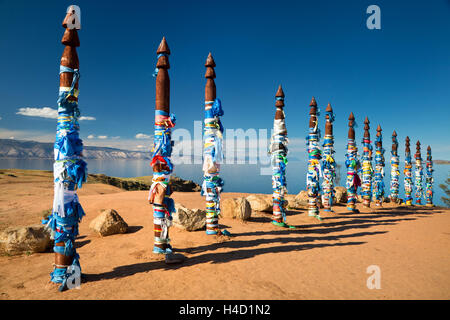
<point>441,161</point>
<point>127,159</point>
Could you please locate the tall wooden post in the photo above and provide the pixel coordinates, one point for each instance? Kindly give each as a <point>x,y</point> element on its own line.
<point>418,174</point>
<point>278,151</point>
<point>408,183</point>
<point>352,164</point>
<point>212,153</point>
<point>367,170</point>
<point>378,186</point>
<point>314,156</point>
<point>70,171</point>
<point>429,178</point>
<point>160,191</point>
<point>328,162</point>
<point>395,173</point>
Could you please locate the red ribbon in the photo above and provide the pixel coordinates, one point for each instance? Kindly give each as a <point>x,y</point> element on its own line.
<point>158,158</point>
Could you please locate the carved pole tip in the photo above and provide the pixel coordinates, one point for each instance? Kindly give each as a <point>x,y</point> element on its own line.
<point>351,117</point>
<point>163,47</point>
<point>210,61</point>
<point>279,102</point>
<point>280,92</point>
<point>313,102</point>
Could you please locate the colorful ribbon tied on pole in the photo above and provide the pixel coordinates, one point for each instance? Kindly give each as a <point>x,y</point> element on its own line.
<point>367,170</point>
<point>418,175</point>
<point>328,162</point>
<point>378,186</point>
<point>70,172</point>
<point>395,173</point>
<point>407,172</point>
<point>429,178</point>
<point>212,157</point>
<point>162,150</point>
<point>278,150</point>
<point>352,164</point>
<point>314,166</point>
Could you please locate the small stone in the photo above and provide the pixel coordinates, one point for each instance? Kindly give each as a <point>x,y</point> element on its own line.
<point>29,239</point>
<point>260,202</point>
<point>292,202</point>
<point>340,194</point>
<point>302,198</point>
<point>108,222</point>
<point>189,219</point>
<point>236,208</point>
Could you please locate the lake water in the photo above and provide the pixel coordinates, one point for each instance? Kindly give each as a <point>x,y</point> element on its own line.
<point>237,177</point>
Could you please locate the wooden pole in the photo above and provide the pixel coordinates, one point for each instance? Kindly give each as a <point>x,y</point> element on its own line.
<point>418,174</point>
<point>395,173</point>
<point>352,164</point>
<point>408,174</point>
<point>367,170</point>
<point>328,162</point>
<point>314,156</point>
<point>378,187</point>
<point>160,191</point>
<point>429,178</point>
<point>212,153</point>
<point>70,171</point>
<point>278,151</point>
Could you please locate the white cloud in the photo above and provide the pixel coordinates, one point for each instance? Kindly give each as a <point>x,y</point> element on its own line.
<point>91,136</point>
<point>45,112</point>
<point>0,118</point>
<point>102,137</point>
<point>140,146</point>
<point>116,137</point>
<point>142,136</point>
<point>86,118</point>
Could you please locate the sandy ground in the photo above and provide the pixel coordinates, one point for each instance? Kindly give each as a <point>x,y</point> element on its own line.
<point>318,260</point>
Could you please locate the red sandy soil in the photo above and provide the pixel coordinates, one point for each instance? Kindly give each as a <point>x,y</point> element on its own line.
<point>318,260</point>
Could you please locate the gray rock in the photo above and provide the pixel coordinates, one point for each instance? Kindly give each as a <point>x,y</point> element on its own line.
<point>108,222</point>
<point>302,198</point>
<point>29,239</point>
<point>292,203</point>
<point>340,194</point>
<point>259,202</point>
<point>236,208</point>
<point>189,219</point>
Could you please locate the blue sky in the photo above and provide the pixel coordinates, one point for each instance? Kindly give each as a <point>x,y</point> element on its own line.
<point>398,76</point>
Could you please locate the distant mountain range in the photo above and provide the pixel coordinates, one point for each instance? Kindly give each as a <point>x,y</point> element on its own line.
<point>21,149</point>
<point>11,148</point>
